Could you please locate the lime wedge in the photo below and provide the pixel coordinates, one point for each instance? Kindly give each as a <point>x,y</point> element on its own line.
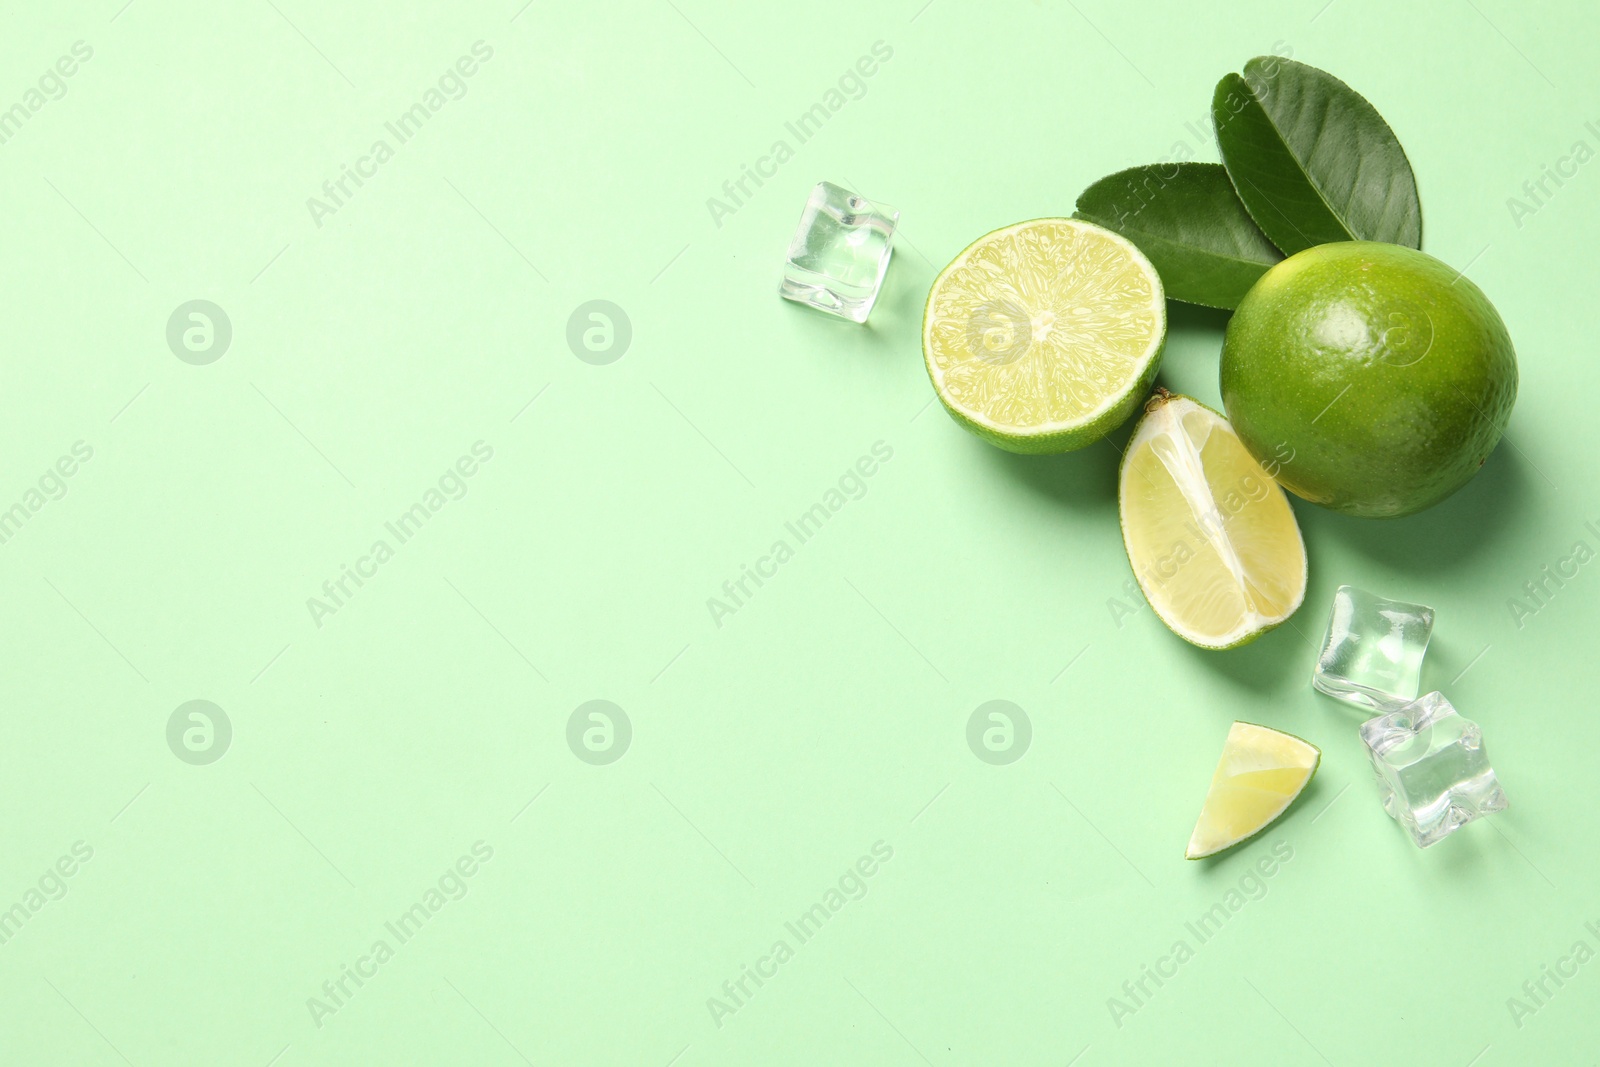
<point>1258,777</point>
<point>1210,534</point>
<point>1043,336</point>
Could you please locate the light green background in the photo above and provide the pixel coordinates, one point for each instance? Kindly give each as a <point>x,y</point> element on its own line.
<point>829,712</point>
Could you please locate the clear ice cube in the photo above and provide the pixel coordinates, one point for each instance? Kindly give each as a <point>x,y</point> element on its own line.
<point>1372,655</point>
<point>1432,768</point>
<point>839,253</point>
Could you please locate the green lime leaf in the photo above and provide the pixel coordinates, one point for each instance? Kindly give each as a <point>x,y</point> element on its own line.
<point>1311,159</point>
<point>1186,219</point>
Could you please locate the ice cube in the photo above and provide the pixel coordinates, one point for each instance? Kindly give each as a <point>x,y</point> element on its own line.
<point>839,253</point>
<point>1372,655</point>
<point>1432,768</point>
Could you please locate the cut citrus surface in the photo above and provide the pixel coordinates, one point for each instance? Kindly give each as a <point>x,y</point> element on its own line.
<point>1260,773</point>
<point>1210,534</point>
<point>1043,336</point>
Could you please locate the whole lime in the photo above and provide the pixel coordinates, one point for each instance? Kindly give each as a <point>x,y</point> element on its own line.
<point>1369,378</point>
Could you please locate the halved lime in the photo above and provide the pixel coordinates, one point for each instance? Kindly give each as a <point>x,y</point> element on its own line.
<point>1261,772</point>
<point>1043,336</point>
<point>1210,534</point>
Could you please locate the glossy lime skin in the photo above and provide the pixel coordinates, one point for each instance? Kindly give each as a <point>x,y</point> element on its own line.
<point>1369,378</point>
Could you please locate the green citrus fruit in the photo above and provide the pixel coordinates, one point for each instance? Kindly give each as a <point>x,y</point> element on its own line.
<point>1209,534</point>
<point>1044,336</point>
<point>1369,378</point>
<point>1259,775</point>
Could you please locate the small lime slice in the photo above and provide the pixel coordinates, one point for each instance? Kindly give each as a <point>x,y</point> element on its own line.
<point>1044,336</point>
<point>1261,772</point>
<point>1210,534</point>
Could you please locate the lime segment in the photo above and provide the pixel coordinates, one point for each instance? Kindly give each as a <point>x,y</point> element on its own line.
<point>1258,777</point>
<point>1211,537</point>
